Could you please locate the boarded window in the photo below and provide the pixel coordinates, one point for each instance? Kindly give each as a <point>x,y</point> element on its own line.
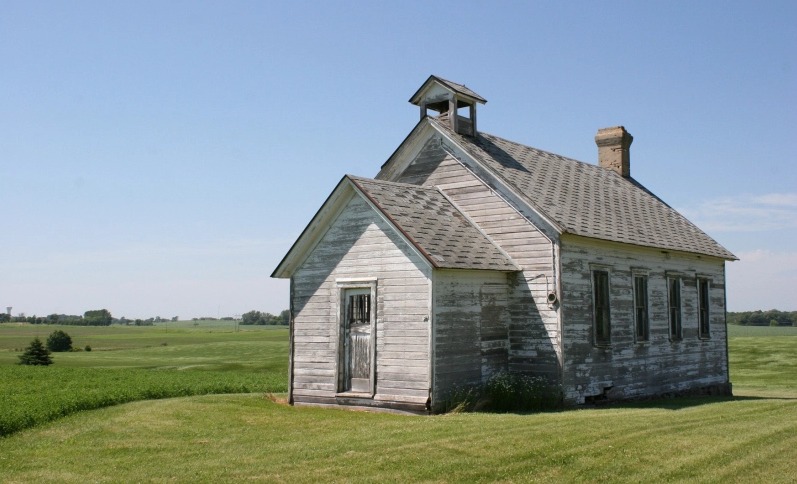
<point>641,308</point>
<point>600,286</point>
<point>674,297</point>
<point>703,314</point>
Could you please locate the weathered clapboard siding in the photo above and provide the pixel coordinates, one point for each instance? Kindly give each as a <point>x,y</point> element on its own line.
<point>533,335</point>
<point>439,329</point>
<point>471,322</point>
<point>627,368</point>
<point>361,245</point>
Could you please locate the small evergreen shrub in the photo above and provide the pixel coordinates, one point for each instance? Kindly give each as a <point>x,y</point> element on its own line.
<point>59,341</point>
<point>35,354</point>
<point>87,348</point>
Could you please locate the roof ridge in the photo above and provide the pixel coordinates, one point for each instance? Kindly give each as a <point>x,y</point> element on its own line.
<point>387,182</point>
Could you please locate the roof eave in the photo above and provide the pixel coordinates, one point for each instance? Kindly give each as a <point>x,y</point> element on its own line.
<point>723,254</point>
<point>303,245</point>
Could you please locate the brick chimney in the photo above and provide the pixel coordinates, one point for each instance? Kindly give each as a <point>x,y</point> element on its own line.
<point>613,150</point>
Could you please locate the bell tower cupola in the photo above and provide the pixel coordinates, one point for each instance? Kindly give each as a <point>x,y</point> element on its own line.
<point>455,103</point>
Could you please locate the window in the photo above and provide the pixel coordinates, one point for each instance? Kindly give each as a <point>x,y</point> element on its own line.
<point>359,308</point>
<point>641,325</point>
<point>674,298</point>
<point>704,330</point>
<point>600,288</point>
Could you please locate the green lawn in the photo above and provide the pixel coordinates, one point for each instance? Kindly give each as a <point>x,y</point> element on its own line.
<point>748,438</point>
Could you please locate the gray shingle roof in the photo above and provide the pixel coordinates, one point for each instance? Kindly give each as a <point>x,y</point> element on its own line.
<point>435,226</point>
<point>585,199</point>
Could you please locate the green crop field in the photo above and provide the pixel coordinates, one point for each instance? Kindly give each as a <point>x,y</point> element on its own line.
<point>134,363</point>
<point>751,437</point>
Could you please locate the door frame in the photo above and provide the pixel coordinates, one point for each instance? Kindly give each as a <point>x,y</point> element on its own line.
<point>343,287</point>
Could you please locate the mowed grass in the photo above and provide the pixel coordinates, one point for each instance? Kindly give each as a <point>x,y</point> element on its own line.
<point>237,438</point>
<point>748,438</point>
<point>134,363</point>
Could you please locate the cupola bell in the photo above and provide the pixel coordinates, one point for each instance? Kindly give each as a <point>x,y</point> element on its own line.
<point>455,103</point>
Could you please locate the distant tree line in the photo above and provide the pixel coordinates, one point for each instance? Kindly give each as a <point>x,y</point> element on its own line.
<point>256,317</point>
<point>103,317</point>
<point>145,322</point>
<point>773,317</point>
<point>97,317</point>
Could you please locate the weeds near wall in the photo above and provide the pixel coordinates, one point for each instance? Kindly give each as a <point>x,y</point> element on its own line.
<point>505,392</point>
<point>515,392</point>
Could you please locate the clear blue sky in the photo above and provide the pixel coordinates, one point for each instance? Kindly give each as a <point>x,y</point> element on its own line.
<point>159,158</point>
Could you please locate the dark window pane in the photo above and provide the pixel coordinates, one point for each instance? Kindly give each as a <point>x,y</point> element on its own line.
<point>359,308</point>
<point>703,301</point>
<point>602,313</point>
<point>641,306</point>
<point>675,308</point>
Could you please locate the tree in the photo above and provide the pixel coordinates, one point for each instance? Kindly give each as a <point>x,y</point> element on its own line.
<point>59,341</point>
<point>256,317</point>
<point>252,317</point>
<point>98,317</point>
<point>35,354</point>
<point>4,318</point>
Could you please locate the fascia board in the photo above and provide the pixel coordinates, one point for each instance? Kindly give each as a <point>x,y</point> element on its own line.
<point>617,245</point>
<point>415,99</point>
<point>406,151</point>
<point>315,230</point>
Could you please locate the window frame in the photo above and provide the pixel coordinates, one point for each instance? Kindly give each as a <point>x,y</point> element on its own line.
<point>599,339</point>
<point>675,308</point>
<point>703,312</point>
<point>644,337</point>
